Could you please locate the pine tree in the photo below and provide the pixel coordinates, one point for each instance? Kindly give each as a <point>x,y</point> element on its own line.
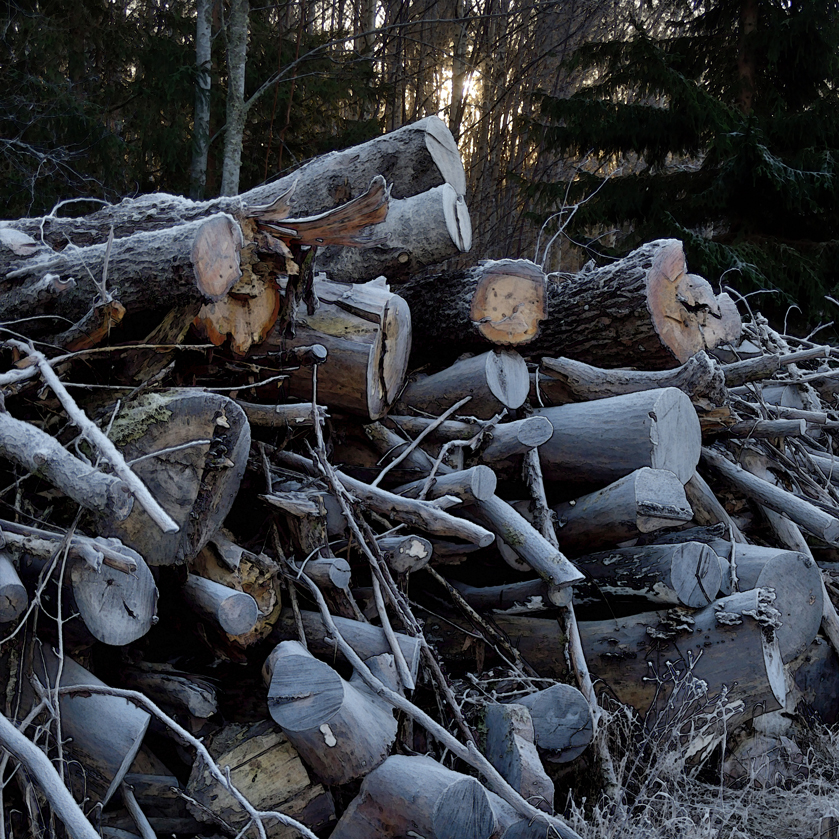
<point>720,128</point>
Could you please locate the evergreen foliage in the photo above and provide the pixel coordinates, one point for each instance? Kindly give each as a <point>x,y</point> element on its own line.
<point>96,98</point>
<point>720,128</point>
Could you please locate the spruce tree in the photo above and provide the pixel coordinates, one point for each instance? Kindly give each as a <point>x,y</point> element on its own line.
<point>720,128</point>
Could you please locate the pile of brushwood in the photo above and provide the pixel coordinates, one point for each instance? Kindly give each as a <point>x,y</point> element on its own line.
<point>299,537</point>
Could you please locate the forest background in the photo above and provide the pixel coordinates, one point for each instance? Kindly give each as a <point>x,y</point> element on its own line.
<point>608,122</point>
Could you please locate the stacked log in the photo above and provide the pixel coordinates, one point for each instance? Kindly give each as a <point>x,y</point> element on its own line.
<point>323,486</point>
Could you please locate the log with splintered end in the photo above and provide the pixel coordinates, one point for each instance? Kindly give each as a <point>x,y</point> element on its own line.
<point>644,501</point>
<point>477,483</point>
<point>341,729</point>
<point>687,573</point>
<point>562,722</point>
<point>41,454</point>
<point>526,541</point>
<point>148,273</point>
<point>808,516</point>
<point>13,596</point>
<point>421,230</point>
<point>795,578</point>
<point>600,442</point>
<point>418,796</point>
<point>366,330</point>
<point>495,380</point>
<point>233,611</point>
<point>643,310</point>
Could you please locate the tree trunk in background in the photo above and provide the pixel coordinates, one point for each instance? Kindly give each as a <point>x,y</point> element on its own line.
<point>203,81</point>
<point>237,52</point>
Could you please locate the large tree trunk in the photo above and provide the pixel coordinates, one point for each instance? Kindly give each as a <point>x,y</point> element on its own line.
<point>414,159</point>
<point>644,310</point>
<point>237,55</point>
<point>203,82</point>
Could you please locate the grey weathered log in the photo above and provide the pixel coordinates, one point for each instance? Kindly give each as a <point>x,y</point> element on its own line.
<point>687,573</point>
<point>39,453</point>
<point>203,441</point>
<point>103,732</point>
<point>148,273</point>
<point>172,689</point>
<point>329,572</point>
<point>418,231</point>
<point>404,554</point>
<point>341,729</point>
<point>644,310</point>
<point>235,612</point>
<point>511,749</point>
<point>367,640</point>
<point>478,483</point>
<point>565,380</point>
<point>600,442</point>
<point>813,519</point>
<point>796,580</point>
<point>642,502</point>
<point>562,722</point>
<point>413,159</point>
<point>418,796</point>
<point>515,598</point>
<point>763,366</point>
<point>117,608</point>
<point>761,429</point>
<point>13,596</point>
<point>513,529</point>
<point>291,415</point>
<point>495,380</point>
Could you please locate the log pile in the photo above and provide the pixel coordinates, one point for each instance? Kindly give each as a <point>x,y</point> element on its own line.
<point>299,537</point>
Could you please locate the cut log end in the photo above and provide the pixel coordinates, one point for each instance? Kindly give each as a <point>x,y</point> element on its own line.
<point>215,256</point>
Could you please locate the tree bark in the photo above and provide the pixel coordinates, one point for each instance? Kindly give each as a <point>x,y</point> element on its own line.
<point>237,54</point>
<point>203,82</point>
<point>644,310</point>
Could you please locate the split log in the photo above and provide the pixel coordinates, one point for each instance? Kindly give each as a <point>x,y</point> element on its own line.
<point>513,529</point>
<point>495,380</point>
<point>405,554</point>
<point>687,573</point>
<point>794,577</point>
<point>39,453</point>
<point>232,611</point>
<point>565,380</point>
<point>148,273</point>
<point>13,596</point>
<point>644,501</point>
<point>511,749</point>
<point>341,729</point>
<point>600,442</point>
<point>418,231</point>
<point>268,772</point>
<point>811,518</point>
<point>498,302</point>
<point>413,159</point>
<point>643,310</point>
<point>417,795</point>
<point>367,640</point>
<point>103,733</point>
<point>367,333</point>
<point>191,450</point>
<point>562,722</point>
